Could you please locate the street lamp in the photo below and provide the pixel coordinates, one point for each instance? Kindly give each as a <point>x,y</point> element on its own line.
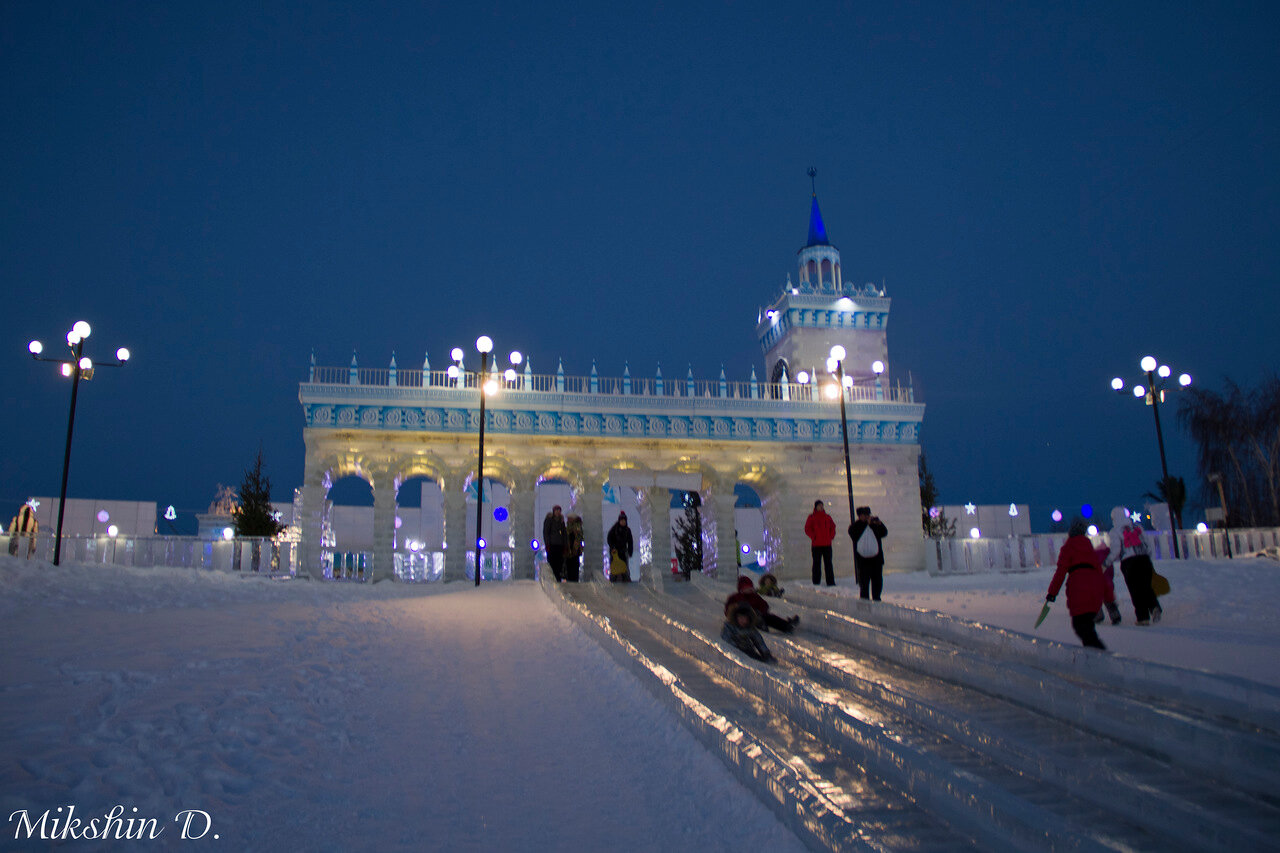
<point>78,366</point>
<point>488,385</point>
<point>1153,393</point>
<point>835,364</point>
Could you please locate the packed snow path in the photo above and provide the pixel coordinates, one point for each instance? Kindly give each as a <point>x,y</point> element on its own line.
<point>886,728</point>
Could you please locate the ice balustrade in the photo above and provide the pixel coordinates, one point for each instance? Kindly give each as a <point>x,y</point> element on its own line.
<point>248,555</point>
<point>545,383</point>
<point>1023,553</point>
<point>264,556</point>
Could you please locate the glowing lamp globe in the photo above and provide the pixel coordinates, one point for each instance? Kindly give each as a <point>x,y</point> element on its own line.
<point>113,531</point>
<point>516,357</point>
<point>1184,380</point>
<point>1164,371</point>
<point>35,347</point>
<point>1117,384</point>
<point>123,354</point>
<point>975,533</point>
<point>482,544</point>
<point>1148,363</point>
<point>81,328</point>
<point>227,533</point>
<point>534,544</point>
<point>838,352</point>
<point>1202,528</point>
<point>803,377</point>
<point>484,343</point>
<point>1139,391</point>
<point>456,353</point>
<point>877,367</point>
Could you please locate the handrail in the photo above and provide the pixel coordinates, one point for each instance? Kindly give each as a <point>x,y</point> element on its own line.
<point>545,383</point>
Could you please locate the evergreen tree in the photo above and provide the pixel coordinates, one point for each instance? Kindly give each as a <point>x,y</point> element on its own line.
<point>689,536</point>
<point>254,516</point>
<point>934,521</point>
<point>1171,491</point>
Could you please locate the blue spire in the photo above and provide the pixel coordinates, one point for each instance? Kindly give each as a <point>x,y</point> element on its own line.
<point>817,231</point>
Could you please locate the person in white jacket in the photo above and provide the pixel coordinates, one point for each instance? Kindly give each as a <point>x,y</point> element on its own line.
<point>1129,550</point>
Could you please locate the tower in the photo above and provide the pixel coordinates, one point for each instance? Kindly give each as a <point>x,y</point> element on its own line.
<point>820,309</point>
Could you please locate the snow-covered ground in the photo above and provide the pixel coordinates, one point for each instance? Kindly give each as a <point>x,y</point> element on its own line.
<point>317,716</point>
<point>310,716</point>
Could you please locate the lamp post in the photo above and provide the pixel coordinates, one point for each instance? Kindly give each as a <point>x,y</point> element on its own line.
<point>488,386</point>
<point>1153,393</point>
<point>77,367</point>
<point>835,364</point>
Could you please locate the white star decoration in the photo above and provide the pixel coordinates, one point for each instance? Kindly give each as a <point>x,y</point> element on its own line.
<point>970,509</point>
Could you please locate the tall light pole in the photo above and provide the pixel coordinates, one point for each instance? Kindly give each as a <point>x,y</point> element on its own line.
<point>835,364</point>
<point>79,365</point>
<point>488,385</point>
<point>1153,393</point>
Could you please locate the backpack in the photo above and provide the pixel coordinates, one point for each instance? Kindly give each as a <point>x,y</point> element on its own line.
<point>1131,539</point>
<point>867,544</point>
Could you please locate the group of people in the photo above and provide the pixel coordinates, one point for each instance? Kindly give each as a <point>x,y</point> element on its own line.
<point>562,537</point>
<point>867,533</point>
<point>746,614</point>
<point>1089,576</point>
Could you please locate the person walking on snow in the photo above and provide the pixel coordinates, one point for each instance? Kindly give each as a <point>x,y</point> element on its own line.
<point>868,552</point>
<point>1086,585</point>
<point>554,536</point>
<point>821,529</point>
<point>1129,549</point>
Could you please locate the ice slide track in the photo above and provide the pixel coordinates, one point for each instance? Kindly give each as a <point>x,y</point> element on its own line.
<point>999,752</point>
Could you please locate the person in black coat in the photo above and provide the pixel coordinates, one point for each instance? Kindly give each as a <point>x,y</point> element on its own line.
<point>868,553</point>
<point>621,543</point>
<point>554,537</point>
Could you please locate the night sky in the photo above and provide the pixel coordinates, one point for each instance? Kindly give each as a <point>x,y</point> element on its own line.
<point>1047,194</point>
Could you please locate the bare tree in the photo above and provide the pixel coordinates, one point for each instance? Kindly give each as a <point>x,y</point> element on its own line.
<point>1238,435</point>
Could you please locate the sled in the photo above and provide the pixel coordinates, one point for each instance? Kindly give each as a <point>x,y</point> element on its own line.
<point>1044,613</point>
<point>1159,584</point>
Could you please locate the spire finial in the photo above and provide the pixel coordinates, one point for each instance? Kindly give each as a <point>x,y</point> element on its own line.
<point>813,185</point>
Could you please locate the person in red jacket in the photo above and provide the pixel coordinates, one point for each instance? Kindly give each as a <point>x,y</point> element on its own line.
<point>747,595</point>
<point>1086,584</point>
<point>821,529</point>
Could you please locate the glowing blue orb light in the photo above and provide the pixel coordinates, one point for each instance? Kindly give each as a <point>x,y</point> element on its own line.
<point>534,544</point>
<point>500,513</point>
<point>1087,511</point>
<point>746,549</point>
<point>481,544</point>
<point>1057,516</point>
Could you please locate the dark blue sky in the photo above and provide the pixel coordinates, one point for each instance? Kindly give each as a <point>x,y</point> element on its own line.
<point>1047,194</point>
